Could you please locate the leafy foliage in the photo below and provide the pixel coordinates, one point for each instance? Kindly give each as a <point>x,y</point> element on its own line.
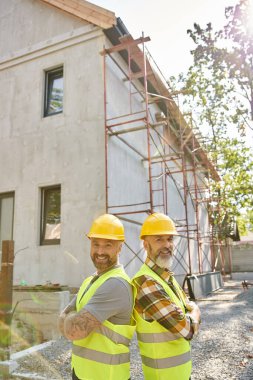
<point>245,223</point>
<point>219,93</point>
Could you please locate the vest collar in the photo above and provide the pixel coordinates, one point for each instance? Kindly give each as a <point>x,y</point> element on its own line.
<point>114,267</point>
<point>164,273</point>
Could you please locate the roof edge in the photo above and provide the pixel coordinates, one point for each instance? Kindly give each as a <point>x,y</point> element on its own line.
<point>86,11</point>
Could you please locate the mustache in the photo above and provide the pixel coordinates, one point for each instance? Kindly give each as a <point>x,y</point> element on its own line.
<point>166,251</point>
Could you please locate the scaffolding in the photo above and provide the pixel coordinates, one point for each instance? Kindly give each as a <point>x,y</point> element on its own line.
<point>173,155</point>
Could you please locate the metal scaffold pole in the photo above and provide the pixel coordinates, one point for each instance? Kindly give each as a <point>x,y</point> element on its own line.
<point>171,153</point>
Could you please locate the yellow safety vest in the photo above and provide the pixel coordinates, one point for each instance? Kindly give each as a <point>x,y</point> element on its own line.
<point>104,353</point>
<point>164,355</point>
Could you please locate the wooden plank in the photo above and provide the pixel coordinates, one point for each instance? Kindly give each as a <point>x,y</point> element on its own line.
<point>139,74</point>
<point>187,138</point>
<point>85,6</point>
<point>6,298</point>
<point>125,45</point>
<point>93,7</point>
<point>86,11</point>
<point>7,273</point>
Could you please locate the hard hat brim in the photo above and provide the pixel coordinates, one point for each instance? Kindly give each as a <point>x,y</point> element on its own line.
<point>107,236</point>
<point>160,233</point>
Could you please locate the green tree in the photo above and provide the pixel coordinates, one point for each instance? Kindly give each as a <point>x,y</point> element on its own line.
<point>218,87</point>
<point>245,223</point>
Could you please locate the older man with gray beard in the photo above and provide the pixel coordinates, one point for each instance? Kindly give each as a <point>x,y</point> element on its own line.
<point>166,319</point>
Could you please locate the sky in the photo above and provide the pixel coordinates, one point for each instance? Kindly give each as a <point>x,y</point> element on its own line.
<point>166,23</point>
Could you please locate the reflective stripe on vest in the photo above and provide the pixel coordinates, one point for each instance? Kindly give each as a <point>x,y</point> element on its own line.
<point>157,337</point>
<point>113,335</point>
<point>100,357</point>
<point>173,361</point>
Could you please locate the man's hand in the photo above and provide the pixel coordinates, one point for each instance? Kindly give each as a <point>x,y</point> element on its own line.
<point>193,310</point>
<point>194,314</point>
<point>190,305</point>
<point>69,308</point>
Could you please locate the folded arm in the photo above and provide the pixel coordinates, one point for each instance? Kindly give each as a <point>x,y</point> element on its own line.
<point>76,325</point>
<point>79,325</point>
<point>153,303</point>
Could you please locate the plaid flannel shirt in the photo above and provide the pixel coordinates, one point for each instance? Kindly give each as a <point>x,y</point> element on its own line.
<point>153,303</point>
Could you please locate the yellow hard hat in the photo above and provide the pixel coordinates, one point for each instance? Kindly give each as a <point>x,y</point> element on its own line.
<point>158,224</point>
<point>107,226</point>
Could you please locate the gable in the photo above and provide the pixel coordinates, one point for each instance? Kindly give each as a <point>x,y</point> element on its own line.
<point>28,22</point>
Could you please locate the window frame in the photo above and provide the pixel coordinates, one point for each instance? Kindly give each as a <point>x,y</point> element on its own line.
<point>44,204</point>
<point>50,75</point>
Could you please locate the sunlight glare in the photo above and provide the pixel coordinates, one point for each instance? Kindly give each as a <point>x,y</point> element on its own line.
<point>249,21</point>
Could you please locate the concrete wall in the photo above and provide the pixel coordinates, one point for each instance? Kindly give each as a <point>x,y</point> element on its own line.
<point>66,149</point>
<point>242,257</point>
<point>238,260</point>
<point>200,259</point>
<point>243,276</point>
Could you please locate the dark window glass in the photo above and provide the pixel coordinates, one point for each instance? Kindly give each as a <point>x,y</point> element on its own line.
<point>51,215</point>
<point>6,217</point>
<point>53,92</point>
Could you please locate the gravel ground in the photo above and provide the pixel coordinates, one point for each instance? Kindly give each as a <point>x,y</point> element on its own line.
<point>223,350</point>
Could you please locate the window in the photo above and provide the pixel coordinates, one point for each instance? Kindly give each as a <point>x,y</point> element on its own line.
<point>50,215</point>
<point>6,217</point>
<point>53,102</point>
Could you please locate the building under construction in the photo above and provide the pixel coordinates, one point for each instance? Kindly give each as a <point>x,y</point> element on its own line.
<point>89,125</point>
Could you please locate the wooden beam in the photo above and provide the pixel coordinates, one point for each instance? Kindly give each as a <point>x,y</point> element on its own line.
<point>86,11</point>
<point>6,298</point>
<point>139,74</point>
<point>187,138</point>
<point>153,98</point>
<point>124,45</point>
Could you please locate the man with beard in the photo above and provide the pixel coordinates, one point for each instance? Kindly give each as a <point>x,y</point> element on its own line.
<point>166,319</point>
<point>99,319</point>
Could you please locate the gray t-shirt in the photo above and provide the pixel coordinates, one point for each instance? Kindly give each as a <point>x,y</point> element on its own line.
<point>112,301</point>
